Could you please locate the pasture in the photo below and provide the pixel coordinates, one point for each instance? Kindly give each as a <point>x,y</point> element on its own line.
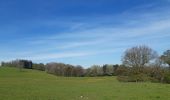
<point>38,85</point>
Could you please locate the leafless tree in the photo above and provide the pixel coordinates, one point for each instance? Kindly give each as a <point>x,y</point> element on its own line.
<point>138,56</point>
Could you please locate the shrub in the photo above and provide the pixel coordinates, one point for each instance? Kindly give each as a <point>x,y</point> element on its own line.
<point>152,79</point>
<point>122,78</point>
<point>40,67</point>
<point>167,77</point>
<point>122,71</point>
<point>133,78</point>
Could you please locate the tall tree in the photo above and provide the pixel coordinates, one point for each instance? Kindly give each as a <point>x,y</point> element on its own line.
<point>138,56</point>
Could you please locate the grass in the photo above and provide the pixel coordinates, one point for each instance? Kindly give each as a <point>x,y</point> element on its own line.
<point>37,85</point>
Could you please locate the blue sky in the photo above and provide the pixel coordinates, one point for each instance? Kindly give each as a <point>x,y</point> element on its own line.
<point>81,32</point>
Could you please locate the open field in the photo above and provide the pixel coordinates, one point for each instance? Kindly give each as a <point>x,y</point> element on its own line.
<point>37,85</point>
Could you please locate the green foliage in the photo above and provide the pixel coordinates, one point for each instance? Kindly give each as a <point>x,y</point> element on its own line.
<point>40,67</point>
<point>19,64</point>
<point>38,85</point>
<point>133,78</point>
<point>167,77</point>
<point>122,71</point>
<point>135,74</point>
<point>123,78</point>
<point>138,77</point>
<point>139,69</point>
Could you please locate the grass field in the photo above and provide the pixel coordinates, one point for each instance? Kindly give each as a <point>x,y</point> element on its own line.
<point>37,85</point>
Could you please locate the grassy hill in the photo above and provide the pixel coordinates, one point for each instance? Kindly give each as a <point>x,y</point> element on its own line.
<point>37,85</point>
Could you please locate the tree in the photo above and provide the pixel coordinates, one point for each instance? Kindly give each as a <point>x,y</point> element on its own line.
<point>68,70</point>
<point>115,68</point>
<point>138,56</point>
<point>94,70</point>
<point>78,71</point>
<point>122,71</point>
<point>104,69</point>
<point>61,69</point>
<point>166,57</point>
<point>56,68</point>
<point>39,66</point>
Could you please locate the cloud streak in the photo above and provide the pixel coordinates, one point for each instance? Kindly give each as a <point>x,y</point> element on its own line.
<point>97,36</point>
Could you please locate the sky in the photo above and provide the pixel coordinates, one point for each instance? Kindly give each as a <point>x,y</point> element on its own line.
<point>81,32</point>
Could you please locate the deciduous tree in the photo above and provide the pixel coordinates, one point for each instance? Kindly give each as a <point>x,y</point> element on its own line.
<point>138,56</point>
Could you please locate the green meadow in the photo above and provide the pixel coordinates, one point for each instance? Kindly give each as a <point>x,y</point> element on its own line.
<point>38,85</point>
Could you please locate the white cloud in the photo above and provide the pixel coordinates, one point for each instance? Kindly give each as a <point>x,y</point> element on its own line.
<point>99,37</point>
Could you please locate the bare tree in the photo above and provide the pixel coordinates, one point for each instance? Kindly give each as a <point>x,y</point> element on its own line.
<point>138,56</point>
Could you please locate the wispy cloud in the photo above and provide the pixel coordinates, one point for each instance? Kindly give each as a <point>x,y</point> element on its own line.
<point>97,36</point>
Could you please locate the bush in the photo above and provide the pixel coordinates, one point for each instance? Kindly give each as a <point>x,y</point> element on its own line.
<point>133,78</point>
<point>152,79</point>
<point>122,71</point>
<point>138,78</point>
<point>123,78</point>
<point>167,77</point>
<point>40,67</point>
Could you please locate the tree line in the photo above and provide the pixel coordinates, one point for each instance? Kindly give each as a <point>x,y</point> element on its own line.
<point>139,63</point>
<point>61,69</point>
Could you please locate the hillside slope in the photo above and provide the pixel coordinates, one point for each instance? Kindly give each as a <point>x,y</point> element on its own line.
<point>37,85</point>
